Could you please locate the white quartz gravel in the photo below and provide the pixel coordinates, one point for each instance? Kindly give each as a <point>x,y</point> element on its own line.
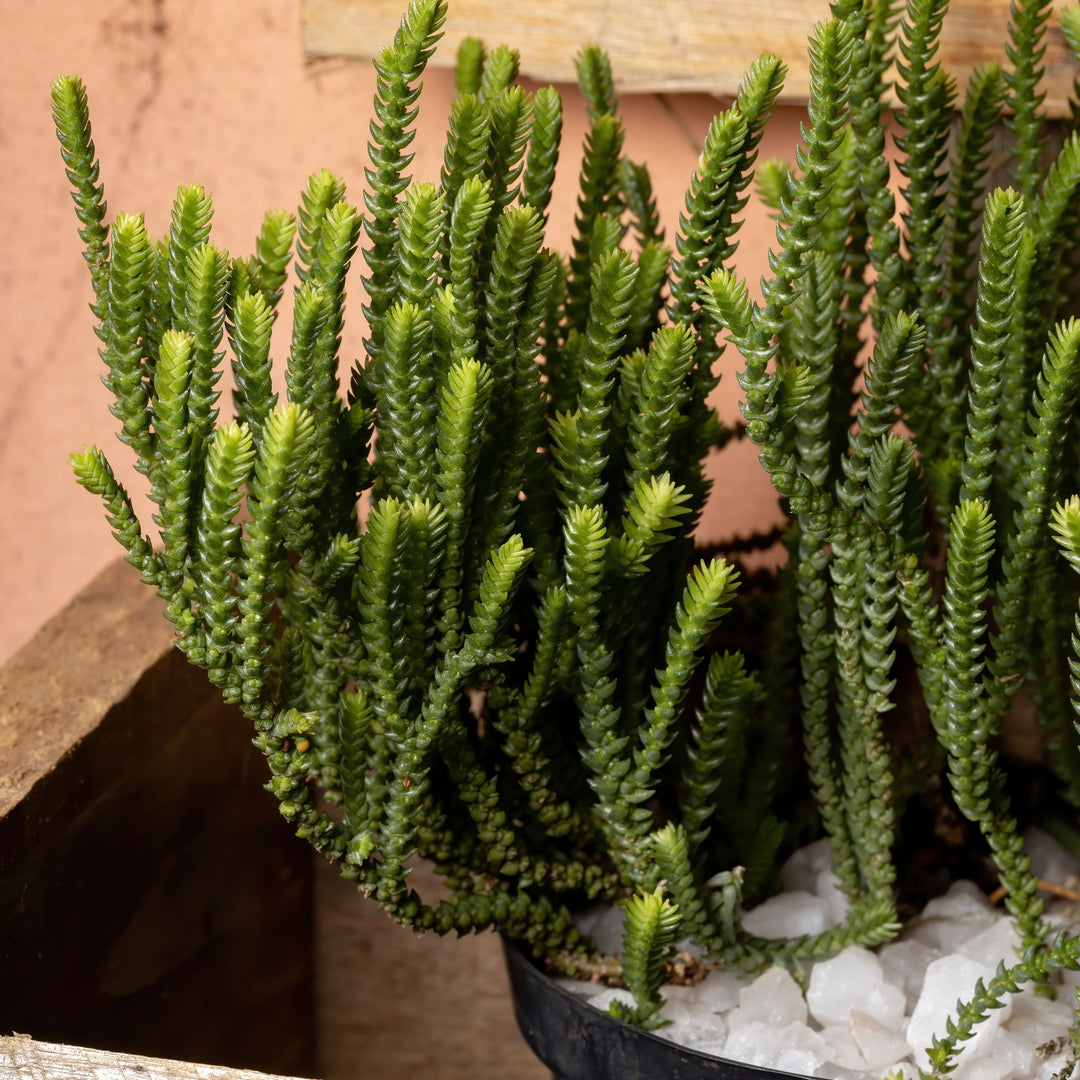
<point>868,1015</point>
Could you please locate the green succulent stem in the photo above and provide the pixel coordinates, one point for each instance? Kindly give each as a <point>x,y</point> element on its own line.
<point>454,586</point>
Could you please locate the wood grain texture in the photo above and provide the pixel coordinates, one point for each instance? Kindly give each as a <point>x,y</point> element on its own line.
<point>23,1058</point>
<point>55,690</point>
<point>153,900</point>
<point>667,45</point>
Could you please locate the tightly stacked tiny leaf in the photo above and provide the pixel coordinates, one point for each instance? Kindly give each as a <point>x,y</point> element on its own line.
<point>529,437</point>
<point>495,667</point>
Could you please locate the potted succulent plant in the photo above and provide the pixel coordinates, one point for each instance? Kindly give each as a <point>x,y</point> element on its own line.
<point>513,663</point>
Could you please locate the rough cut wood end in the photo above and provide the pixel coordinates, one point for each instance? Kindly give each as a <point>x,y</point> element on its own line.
<point>21,1057</point>
<point>143,870</point>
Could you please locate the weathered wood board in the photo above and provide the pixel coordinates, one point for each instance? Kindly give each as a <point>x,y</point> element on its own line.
<point>151,898</point>
<point>22,1057</point>
<point>666,45</point>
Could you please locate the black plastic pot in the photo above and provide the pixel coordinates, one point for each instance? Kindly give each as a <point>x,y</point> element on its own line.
<point>577,1042</point>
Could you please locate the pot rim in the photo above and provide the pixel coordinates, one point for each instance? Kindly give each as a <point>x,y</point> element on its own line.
<point>522,966</point>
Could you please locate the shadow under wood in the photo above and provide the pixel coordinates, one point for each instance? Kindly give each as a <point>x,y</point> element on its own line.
<point>153,901</point>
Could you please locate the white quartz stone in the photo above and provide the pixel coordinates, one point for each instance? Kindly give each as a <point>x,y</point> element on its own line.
<point>799,1062</point>
<point>704,1042</point>
<point>800,872</point>
<point>604,925</point>
<point>904,964</point>
<point>772,998</point>
<point>993,944</point>
<point>609,994</point>
<point>719,990</point>
<point>803,1038</point>
<point>860,998</point>
<point>1070,982</point>
<point>754,1043</point>
<point>677,996</point>
<point>879,1045</point>
<point>1050,1064</point>
<point>580,987</point>
<point>690,947</point>
<point>691,1023</point>
<point>1037,1020</point>
<point>1062,914</point>
<point>840,983</point>
<point>828,888</point>
<point>788,914</point>
<point>951,919</point>
<point>1049,860</point>
<point>843,1050</point>
<point>983,1069</point>
<point>853,979</point>
<point>887,1004</point>
<point>810,869</point>
<point>1000,1056</point>
<point>695,1028</point>
<point>961,899</point>
<point>763,1044</point>
<point>948,980</point>
<point>829,1071</point>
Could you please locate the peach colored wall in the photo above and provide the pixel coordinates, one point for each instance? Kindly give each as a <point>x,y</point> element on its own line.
<point>185,90</point>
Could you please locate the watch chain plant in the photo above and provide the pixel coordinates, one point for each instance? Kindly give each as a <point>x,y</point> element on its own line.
<point>650,927</point>
<point>514,664</point>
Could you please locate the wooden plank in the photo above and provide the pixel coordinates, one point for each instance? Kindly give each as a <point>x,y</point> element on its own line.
<point>23,1058</point>
<point>55,690</point>
<point>153,900</point>
<point>667,45</point>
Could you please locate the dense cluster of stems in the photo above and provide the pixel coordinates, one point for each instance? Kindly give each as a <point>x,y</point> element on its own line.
<point>507,664</point>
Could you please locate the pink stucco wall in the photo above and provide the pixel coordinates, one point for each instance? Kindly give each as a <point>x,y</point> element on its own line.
<point>185,90</point>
